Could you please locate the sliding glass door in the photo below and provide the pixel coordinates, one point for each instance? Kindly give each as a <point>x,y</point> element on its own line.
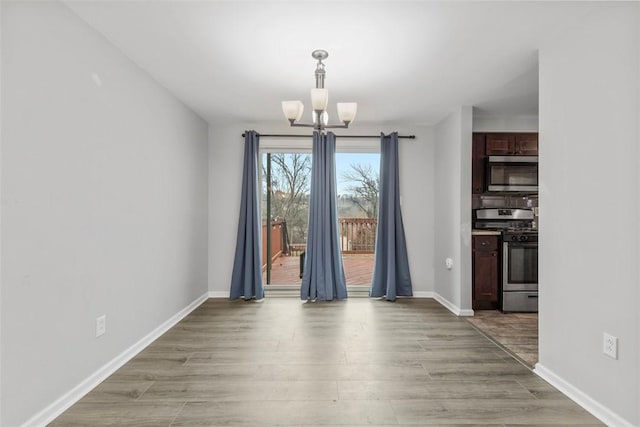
<point>358,176</point>
<point>284,236</point>
<point>286,179</point>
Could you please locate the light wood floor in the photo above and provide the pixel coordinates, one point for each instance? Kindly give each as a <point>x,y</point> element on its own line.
<point>354,362</point>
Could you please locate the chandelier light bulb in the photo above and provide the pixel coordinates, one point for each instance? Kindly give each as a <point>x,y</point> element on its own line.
<point>347,111</point>
<point>292,110</point>
<point>319,99</point>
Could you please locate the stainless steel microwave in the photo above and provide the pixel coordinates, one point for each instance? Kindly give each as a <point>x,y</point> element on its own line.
<point>512,173</point>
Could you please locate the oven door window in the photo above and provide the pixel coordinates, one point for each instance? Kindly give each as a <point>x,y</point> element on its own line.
<point>523,263</point>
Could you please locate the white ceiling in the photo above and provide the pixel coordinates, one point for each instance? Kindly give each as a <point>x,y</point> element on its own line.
<point>403,62</point>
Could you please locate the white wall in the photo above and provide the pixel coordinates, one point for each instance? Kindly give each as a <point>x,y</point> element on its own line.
<point>416,187</point>
<point>589,162</point>
<point>104,205</point>
<point>225,183</point>
<point>447,208</point>
<point>466,142</point>
<point>453,138</point>
<point>638,233</point>
<point>505,123</point>
<point>1,138</point>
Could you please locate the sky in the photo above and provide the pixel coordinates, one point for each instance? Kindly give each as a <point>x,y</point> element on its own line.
<point>345,160</point>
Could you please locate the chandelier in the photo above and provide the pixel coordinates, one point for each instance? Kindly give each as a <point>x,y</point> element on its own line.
<point>319,99</point>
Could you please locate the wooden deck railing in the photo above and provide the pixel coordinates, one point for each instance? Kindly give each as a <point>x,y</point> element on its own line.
<point>358,235</point>
<point>278,244</point>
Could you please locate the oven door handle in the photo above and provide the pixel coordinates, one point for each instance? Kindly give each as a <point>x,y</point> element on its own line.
<point>532,296</point>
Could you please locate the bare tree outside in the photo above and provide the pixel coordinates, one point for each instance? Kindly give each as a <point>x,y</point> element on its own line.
<point>290,178</point>
<point>364,188</point>
<point>358,208</point>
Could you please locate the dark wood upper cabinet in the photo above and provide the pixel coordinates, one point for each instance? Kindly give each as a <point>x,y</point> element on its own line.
<point>478,163</point>
<point>512,144</point>
<point>500,144</point>
<point>526,144</point>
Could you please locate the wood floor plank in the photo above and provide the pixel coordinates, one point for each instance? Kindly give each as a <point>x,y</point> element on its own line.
<point>240,391</point>
<point>229,357</point>
<point>319,412</point>
<point>283,371</point>
<point>506,411</point>
<point>505,369</point>
<point>118,391</point>
<point>477,355</point>
<point>133,414</point>
<point>432,389</point>
<point>355,362</point>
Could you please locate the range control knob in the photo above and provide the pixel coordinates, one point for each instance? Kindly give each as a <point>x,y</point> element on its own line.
<point>514,238</point>
<point>523,238</point>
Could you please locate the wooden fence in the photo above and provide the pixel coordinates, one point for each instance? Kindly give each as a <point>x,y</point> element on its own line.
<point>358,235</point>
<point>278,241</point>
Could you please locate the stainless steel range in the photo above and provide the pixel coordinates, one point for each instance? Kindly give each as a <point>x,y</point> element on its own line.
<point>519,255</point>
<point>504,219</point>
<point>519,271</point>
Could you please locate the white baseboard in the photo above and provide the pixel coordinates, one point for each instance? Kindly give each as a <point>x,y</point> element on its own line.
<point>218,294</point>
<point>598,410</point>
<point>452,307</point>
<point>63,403</point>
<point>423,294</point>
<point>225,294</point>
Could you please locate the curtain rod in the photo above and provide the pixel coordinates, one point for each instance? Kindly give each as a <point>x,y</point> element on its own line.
<point>337,136</point>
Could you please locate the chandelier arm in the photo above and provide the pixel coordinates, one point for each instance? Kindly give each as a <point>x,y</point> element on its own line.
<point>345,125</point>
<point>302,125</point>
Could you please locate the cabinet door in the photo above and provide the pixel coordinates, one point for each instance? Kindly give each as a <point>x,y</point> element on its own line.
<point>500,144</point>
<point>527,144</point>
<point>485,275</point>
<point>477,164</point>
<point>485,243</point>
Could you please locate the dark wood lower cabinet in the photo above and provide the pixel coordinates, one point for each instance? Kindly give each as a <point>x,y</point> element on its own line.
<point>486,273</point>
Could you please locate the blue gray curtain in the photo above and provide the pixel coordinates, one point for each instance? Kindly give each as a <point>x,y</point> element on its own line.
<point>391,276</point>
<point>323,278</point>
<point>246,279</point>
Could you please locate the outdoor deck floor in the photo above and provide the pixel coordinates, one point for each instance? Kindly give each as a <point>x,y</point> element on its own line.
<point>358,270</point>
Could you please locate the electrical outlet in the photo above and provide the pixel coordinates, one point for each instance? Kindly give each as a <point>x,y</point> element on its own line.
<point>448,263</point>
<point>610,345</point>
<point>101,325</point>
